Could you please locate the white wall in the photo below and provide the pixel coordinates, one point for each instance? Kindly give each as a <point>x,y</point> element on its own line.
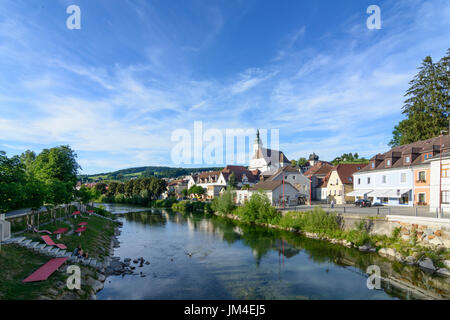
<point>393,181</point>
<point>434,185</point>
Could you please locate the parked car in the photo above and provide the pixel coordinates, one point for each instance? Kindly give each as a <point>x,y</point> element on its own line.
<point>363,203</point>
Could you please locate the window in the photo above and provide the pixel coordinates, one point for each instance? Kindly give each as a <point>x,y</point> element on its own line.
<point>445,173</point>
<point>403,177</point>
<point>350,179</point>
<point>293,177</point>
<point>445,197</point>
<point>421,176</point>
<point>373,164</point>
<point>404,199</point>
<point>384,179</point>
<point>388,162</point>
<point>408,159</point>
<point>368,180</point>
<point>359,180</point>
<point>422,198</point>
<point>384,200</point>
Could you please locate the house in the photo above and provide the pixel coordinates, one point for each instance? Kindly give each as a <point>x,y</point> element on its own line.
<point>339,182</point>
<point>277,191</point>
<point>392,178</point>
<point>439,199</point>
<point>266,160</point>
<point>242,176</point>
<point>317,174</point>
<point>295,178</point>
<point>215,181</point>
<point>175,187</point>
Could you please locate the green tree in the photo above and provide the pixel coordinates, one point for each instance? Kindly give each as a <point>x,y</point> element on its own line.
<point>56,163</point>
<point>27,158</point>
<point>232,183</point>
<point>427,103</point>
<point>302,161</point>
<point>225,203</point>
<point>12,183</point>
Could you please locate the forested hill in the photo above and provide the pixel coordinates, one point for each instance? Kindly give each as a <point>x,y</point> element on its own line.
<point>142,172</point>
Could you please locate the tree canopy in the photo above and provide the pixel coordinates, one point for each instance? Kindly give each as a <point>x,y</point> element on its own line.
<point>427,103</point>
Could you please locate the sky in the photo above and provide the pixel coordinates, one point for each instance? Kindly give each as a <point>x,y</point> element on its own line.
<point>137,70</point>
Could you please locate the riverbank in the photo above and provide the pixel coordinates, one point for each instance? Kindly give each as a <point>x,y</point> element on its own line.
<point>432,259</point>
<point>17,262</point>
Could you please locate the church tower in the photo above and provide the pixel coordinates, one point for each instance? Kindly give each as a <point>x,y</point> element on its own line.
<point>257,146</point>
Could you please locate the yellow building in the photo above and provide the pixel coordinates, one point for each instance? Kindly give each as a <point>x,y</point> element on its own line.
<point>422,185</point>
<point>340,182</point>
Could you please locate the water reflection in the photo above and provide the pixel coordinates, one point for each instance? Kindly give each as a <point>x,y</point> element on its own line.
<point>195,256</point>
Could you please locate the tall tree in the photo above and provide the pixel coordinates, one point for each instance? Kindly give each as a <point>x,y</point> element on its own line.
<point>427,103</point>
<point>27,158</point>
<point>12,183</point>
<point>56,163</point>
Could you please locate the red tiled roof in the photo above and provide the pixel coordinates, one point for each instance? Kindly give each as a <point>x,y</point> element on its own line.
<point>346,170</point>
<point>239,172</point>
<point>415,150</point>
<point>269,185</point>
<point>320,168</point>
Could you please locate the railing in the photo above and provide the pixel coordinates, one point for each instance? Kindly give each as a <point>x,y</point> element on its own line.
<point>418,211</point>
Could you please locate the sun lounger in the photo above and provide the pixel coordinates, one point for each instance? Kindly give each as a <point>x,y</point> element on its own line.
<point>49,242</point>
<point>46,270</point>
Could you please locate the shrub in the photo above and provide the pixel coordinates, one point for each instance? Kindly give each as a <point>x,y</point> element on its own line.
<point>225,203</point>
<point>258,209</point>
<point>317,221</point>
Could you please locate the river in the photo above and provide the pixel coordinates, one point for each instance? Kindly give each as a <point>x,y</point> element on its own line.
<point>200,256</point>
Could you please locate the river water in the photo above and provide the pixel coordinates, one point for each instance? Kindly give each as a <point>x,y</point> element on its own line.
<point>199,256</point>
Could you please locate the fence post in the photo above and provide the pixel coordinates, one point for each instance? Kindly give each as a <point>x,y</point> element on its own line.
<point>378,211</point>
<point>437,213</point>
<point>344,209</point>
<point>416,211</point>
<point>389,210</point>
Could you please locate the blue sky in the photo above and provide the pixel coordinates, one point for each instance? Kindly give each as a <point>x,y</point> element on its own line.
<point>137,70</point>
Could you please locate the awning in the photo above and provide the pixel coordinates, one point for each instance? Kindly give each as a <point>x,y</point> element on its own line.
<point>377,193</point>
<point>388,193</point>
<point>358,193</point>
<point>396,193</point>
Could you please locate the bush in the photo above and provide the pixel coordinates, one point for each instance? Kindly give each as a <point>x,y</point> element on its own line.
<point>164,203</point>
<point>225,203</point>
<point>258,209</point>
<point>317,221</point>
<point>191,206</point>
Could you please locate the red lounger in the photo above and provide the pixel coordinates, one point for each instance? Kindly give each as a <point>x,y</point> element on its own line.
<point>46,270</point>
<point>49,242</point>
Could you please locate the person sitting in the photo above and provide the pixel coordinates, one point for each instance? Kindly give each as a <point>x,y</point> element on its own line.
<point>85,255</point>
<point>78,252</point>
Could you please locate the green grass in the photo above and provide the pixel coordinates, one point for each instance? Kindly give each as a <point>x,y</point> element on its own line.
<point>18,263</point>
<point>95,240</point>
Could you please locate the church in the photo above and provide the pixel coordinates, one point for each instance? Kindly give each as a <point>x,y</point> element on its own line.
<point>267,161</point>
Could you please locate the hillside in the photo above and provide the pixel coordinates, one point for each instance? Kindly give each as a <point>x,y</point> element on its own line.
<point>141,172</point>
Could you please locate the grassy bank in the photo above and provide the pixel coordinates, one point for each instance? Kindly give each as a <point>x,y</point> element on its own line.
<point>321,224</point>
<point>17,262</point>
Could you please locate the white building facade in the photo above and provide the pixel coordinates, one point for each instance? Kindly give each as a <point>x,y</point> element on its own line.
<point>440,182</point>
<point>388,187</point>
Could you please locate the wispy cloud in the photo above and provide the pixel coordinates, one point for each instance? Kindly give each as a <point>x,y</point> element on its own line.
<point>117,103</point>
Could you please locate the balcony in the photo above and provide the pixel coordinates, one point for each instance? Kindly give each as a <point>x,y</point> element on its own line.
<point>421,181</point>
